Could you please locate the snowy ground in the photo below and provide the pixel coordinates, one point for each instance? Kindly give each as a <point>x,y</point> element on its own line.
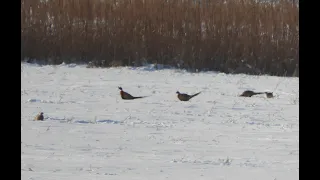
<point>90,133</point>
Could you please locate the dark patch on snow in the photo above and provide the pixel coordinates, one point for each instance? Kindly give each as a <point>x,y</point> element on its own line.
<point>152,67</point>
<point>241,109</point>
<point>33,100</point>
<point>107,121</point>
<point>82,121</point>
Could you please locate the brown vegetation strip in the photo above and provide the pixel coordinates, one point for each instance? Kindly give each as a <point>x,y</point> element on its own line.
<point>223,35</point>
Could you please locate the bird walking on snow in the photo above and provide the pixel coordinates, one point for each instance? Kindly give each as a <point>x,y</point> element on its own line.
<point>185,97</point>
<point>249,93</point>
<point>39,117</point>
<point>127,96</point>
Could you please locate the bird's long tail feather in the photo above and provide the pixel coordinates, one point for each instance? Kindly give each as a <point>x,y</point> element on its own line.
<point>195,95</point>
<point>138,97</point>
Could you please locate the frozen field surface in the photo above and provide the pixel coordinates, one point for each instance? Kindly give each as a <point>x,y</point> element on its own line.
<point>90,133</point>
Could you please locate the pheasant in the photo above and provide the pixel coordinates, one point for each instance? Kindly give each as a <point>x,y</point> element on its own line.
<point>39,117</point>
<point>127,96</point>
<point>185,97</point>
<point>249,93</point>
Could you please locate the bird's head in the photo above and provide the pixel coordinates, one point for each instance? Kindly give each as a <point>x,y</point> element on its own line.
<point>120,88</point>
<point>178,92</point>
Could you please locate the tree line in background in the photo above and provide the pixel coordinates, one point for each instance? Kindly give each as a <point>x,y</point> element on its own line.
<point>232,36</point>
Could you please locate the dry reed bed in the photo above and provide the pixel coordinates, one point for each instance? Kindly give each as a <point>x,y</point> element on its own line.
<point>213,35</point>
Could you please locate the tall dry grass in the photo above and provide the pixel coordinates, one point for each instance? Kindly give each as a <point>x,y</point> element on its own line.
<point>223,35</point>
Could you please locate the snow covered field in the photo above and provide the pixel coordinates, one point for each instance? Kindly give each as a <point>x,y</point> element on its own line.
<point>90,133</point>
